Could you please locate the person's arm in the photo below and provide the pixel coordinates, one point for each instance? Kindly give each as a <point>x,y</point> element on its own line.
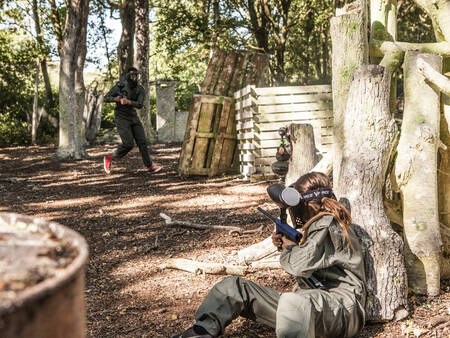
<point>302,260</point>
<point>139,103</point>
<point>112,96</point>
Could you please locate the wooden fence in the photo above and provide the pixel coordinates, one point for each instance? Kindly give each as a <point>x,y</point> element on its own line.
<point>260,112</point>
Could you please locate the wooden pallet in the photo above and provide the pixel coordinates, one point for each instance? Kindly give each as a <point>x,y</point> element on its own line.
<point>209,147</point>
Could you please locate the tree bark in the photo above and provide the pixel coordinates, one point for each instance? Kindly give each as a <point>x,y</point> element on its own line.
<point>92,115</point>
<point>349,51</point>
<point>416,164</point>
<point>141,62</point>
<point>71,145</point>
<point>125,50</point>
<point>35,116</point>
<point>303,152</point>
<point>369,133</point>
<point>439,12</point>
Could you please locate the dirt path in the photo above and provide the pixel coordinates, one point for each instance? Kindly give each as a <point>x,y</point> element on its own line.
<point>127,295</point>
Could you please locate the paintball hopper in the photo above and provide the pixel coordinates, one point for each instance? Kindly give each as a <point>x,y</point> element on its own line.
<point>286,197</point>
<point>282,196</point>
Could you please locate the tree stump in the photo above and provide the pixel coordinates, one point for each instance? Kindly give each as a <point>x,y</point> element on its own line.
<point>369,135</point>
<point>303,151</point>
<point>416,175</point>
<point>41,279</point>
<point>350,50</point>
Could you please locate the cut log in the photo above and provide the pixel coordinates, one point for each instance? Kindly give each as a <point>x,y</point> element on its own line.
<point>350,50</point>
<point>303,151</point>
<point>436,78</point>
<point>369,135</point>
<point>204,267</point>
<point>416,164</point>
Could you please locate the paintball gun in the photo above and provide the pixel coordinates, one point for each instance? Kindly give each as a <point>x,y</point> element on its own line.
<point>295,236</point>
<point>122,93</point>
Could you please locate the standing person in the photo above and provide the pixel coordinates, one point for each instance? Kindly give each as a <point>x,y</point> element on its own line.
<point>128,96</point>
<point>329,249</point>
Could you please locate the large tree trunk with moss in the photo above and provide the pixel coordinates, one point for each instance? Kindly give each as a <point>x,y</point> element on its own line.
<point>416,175</point>
<point>70,144</point>
<point>350,50</point>
<point>141,62</point>
<point>370,133</point>
<point>303,151</point>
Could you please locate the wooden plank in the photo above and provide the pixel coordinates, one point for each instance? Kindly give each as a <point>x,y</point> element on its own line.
<point>244,115</point>
<point>229,159</point>
<point>326,140</point>
<point>226,74</point>
<point>294,116</point>
<point>245,102</point>
<point>292,99</point>
<point>243,92</point>
<point>246,146</point>
<point>247,170</point>
<point>269,91</point>
<point>298,107</point>
<point>239,72</point>
<point>246,136</point>
<point>213,98</point>
<point>261,127</point>
<point>201,144</point>
<point>246,157</point>
<point>262,161</point>
<point>212,72</point>
<point>222,128</point>
<point>212,142</point>
<point>244,125</point>
<point>189,140</point>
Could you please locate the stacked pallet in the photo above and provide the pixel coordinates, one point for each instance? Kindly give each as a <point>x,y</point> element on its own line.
<point>260,112</point>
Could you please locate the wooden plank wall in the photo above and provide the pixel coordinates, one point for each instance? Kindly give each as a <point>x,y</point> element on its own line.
<point>260,112</point>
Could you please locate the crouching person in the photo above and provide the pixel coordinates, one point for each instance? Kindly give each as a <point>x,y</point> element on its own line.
<point>329,251</point>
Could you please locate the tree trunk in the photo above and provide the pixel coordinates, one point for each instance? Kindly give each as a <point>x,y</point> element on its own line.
<point>369,133</point>
<point>303,152</point>
<point>43,61</point>
<point>35,117</point>
<point>416,164</point>
<point>125,50</point>
<point>71,145</point>
<point>349,51</point>
<point>92,115</point>
<point>141,62</point>
<point>439,12</point>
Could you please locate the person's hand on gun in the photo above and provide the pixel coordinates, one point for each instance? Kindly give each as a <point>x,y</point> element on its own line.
<point>281,241</point>
<point>125,101</point>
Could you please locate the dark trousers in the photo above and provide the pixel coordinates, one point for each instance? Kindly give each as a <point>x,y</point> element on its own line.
<point>131,130</point>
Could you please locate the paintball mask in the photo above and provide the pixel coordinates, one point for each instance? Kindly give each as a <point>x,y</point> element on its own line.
<point>289,198</point>
<point>132,78</point>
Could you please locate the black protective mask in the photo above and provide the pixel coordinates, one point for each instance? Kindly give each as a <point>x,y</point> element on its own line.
<point>132,79</point>
<point>290,199</point>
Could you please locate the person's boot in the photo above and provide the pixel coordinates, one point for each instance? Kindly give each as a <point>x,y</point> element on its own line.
<point>152,170</point>
<point>194,332</point>
<point>107,163</point>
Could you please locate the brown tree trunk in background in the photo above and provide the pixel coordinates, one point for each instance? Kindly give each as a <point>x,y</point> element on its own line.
<point>303,152</point>
<point>43,60</point>
<point>35,116</point>
<point>70,145</point>
<point>369,133</point>
<point>141,63</point>
<point>349,51</point>
<point>125,50</point>
<point>416,175</point>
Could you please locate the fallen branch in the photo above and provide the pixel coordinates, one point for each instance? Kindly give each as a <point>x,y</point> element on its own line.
<point>201,268</point>
<point>232,229</point>
<point>433,76</point>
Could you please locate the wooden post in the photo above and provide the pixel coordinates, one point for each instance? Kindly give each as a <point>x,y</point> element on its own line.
<point>350,50</point>
<point>416,174</point>
<point>303,152</point>
<point>369,133</point>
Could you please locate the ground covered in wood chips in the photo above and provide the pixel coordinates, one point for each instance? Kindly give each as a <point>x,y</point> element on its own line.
<point>127,293</point>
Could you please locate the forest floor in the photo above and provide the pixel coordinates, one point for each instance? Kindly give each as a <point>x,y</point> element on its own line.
<point>128,294</point>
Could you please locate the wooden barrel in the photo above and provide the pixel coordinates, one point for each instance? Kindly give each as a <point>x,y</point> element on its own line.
<point>41,279</point>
